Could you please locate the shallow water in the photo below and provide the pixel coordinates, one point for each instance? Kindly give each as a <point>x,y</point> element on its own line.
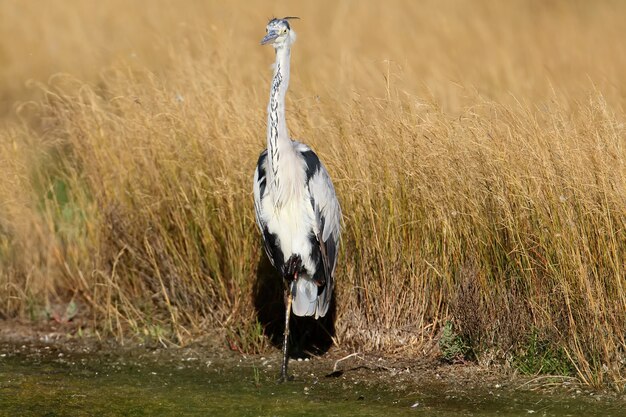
<point>51,383</point>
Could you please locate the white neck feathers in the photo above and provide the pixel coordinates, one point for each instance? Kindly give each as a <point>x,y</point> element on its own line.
<point>282,159</point>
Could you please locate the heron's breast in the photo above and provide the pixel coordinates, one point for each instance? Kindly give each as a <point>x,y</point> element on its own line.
<point>293,224</point>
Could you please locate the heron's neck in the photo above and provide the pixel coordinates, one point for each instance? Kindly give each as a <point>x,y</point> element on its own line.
<point>278,141</point>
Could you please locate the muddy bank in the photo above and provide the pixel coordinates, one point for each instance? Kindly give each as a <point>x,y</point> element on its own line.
<point>36,361</point>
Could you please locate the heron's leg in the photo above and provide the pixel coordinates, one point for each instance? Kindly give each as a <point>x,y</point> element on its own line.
<point>288,299</point>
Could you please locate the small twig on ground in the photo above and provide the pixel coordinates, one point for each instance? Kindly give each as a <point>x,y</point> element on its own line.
<point>343,359</point>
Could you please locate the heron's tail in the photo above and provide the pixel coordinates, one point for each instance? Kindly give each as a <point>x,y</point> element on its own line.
<point>306,301</point>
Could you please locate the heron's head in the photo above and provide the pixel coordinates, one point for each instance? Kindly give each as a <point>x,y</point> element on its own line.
<point>279,33</point>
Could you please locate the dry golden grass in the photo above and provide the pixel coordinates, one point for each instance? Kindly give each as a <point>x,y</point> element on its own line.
<point>478,150</point>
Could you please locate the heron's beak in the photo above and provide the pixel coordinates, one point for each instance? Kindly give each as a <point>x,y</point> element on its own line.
<point>271,35</point>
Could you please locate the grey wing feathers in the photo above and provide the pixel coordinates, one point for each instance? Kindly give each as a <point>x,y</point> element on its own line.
<point>260,182</point>
<point>328,220</point>
<point>328,214</point>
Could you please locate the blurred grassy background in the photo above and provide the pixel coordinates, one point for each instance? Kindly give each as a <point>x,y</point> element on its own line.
<point>477,149</point>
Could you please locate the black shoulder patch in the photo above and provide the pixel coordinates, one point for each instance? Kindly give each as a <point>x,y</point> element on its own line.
<point>318,274</point>
<point>261,161</point>
<point>260,167</point>
<point>272,248</point>
<point>312,163</point>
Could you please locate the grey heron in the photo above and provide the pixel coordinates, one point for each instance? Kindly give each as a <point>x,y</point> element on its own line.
<point>295,203</point>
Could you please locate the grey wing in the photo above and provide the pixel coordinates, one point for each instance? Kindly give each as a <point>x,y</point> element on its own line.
<point>328,215</point>
<point>328,219</point>
<point>270,242</point>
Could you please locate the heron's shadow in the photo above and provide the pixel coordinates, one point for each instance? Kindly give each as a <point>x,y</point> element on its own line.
<point>307,336</point>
